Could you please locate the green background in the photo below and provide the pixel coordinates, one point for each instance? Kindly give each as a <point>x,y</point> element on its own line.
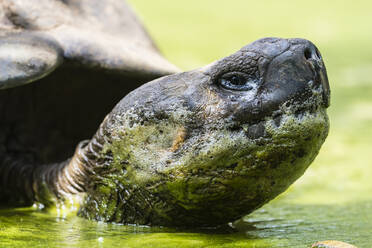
<point>331,201</point>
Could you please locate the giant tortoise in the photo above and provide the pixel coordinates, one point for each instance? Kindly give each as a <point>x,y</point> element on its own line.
<point>196,148</point>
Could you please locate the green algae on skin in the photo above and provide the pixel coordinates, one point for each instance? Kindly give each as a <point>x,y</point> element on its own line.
<point>147,179</point>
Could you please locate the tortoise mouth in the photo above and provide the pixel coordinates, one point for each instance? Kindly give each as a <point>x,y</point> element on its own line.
<point>314,103</point>
<point>311,102</point>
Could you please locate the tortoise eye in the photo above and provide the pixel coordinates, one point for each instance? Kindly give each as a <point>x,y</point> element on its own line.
<point>237,81</point>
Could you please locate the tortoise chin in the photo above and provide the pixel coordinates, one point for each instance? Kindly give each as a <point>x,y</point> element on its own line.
<point>206,147</point>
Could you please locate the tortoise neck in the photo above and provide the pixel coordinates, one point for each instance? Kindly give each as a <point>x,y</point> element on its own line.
<point>23,182</point>
<point>72,176</point>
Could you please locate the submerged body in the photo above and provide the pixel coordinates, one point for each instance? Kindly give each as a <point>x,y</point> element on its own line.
<point>198,148</point>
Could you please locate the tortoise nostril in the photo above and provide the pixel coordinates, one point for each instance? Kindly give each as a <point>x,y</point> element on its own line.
<point>308,53</point>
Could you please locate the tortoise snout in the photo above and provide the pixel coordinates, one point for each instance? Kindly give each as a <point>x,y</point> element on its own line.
<point>311,53</point>
<point>295,73</point>
<point>313,59</point>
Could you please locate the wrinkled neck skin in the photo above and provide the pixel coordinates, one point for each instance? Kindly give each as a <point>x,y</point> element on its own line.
<point>185,150</point>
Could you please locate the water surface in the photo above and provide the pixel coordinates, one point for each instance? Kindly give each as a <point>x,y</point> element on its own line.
<point>276,225</point>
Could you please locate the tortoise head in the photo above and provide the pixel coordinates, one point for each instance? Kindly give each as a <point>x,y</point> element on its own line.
<point>208,146</point>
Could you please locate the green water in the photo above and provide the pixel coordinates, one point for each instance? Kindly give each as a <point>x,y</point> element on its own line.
<point>276,225</point>
<point>332,200</point>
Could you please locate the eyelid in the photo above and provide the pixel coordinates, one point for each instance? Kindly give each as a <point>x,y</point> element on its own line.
<point>229,74</point>
<point>225,81</point>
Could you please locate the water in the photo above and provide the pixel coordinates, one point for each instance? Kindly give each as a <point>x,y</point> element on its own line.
<point>276,225</point>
